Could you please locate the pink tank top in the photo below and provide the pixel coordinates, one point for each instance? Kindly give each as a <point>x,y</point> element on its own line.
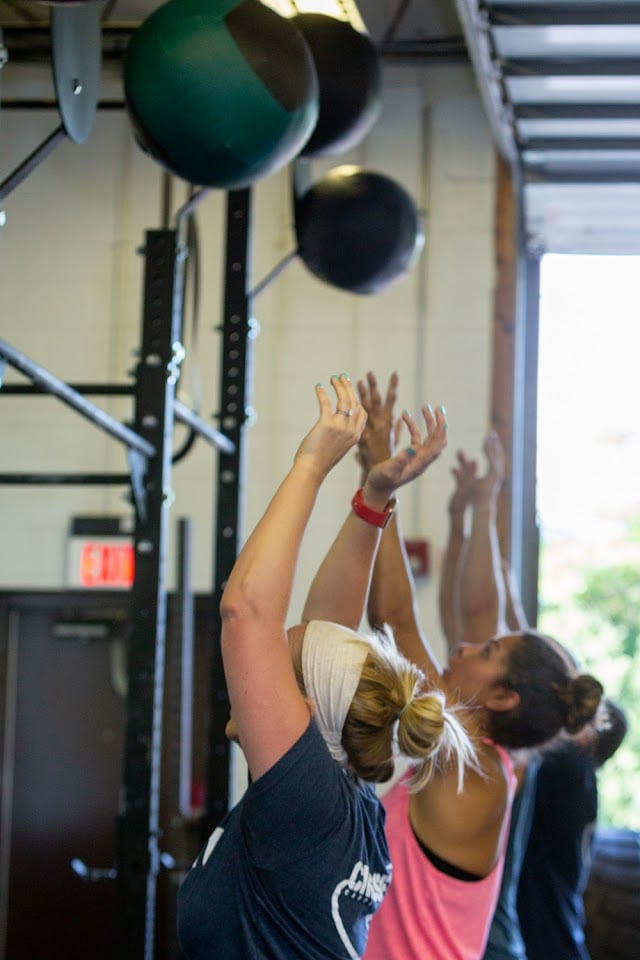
<point>426,913</point>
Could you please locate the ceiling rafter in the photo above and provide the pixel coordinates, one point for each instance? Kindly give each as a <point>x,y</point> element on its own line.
<point>562,81</point>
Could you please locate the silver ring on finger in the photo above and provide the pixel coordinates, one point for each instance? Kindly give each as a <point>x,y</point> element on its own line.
<point>345,413</point>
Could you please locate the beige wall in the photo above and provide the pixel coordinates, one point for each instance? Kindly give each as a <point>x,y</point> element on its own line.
<point>70,284</point>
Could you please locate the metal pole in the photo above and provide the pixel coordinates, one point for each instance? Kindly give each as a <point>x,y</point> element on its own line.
<point>234,401</point>
<point>95,389</point>
<point>32,161</point>
<point>138,824</point>
<point>53,385</point>
<point>62,479</point>
<point>202,428</point>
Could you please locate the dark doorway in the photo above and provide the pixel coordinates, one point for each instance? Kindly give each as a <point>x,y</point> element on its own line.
<point>63,675</point>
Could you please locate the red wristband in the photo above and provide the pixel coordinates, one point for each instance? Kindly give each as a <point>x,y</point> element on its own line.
<point>379,518</point>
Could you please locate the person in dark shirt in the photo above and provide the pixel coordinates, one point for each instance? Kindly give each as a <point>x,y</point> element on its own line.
<point>557,860</point>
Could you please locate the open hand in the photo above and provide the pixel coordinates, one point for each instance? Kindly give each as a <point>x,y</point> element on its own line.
<point>487,487</point>
<point>378,438</point>
<point>465,473</point>
<point>337,430</point>
<point>411,461</point>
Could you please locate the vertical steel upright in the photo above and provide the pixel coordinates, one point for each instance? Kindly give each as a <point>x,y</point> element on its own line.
<point>235,380</point>
<point>138,853</point>
<point>524,523</point>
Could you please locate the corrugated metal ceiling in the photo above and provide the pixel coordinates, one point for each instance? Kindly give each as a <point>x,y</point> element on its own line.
<point>560,80</point>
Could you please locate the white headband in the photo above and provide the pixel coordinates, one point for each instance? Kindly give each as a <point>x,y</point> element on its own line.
<point>332,660</point>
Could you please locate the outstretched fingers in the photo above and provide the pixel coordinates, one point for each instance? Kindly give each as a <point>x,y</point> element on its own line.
<point>349,415</point>
<point>377,440</point>
<point>324,401</point>
<point>464,474</point>
<point>436,426</point>
<point>466,469</point>
<point>368,391</point>
<point>487,487</point>
<point>392,393</point>
<point>338,427</point>
<point>370,396</point>
<point>411,461</point>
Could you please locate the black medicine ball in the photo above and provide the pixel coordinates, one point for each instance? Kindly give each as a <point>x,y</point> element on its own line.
<point>357,230</point>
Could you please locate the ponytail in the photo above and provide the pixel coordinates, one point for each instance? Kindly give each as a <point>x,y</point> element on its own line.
<point>430,733</point>
<point>388,717</point>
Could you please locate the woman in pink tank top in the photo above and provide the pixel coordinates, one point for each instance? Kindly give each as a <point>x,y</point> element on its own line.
<point>516,689</point>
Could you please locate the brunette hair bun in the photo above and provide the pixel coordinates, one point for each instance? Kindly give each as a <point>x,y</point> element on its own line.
<point>582,697</point>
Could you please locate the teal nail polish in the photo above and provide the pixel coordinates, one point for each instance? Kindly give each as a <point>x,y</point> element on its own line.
<point>334,376</point>
<point>429,408</point>
<point>443,411</point>
<point>411,451</point>
<point>346,376</point>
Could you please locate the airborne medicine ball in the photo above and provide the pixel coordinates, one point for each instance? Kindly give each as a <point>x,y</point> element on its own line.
<point>350,79</point>
<point>357,230</point>
<point>221,92</point>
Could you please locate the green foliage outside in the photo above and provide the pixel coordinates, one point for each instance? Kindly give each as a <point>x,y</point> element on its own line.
<point>600,623</point>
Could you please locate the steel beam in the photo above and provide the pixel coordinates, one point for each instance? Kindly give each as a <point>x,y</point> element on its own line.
<point>138,852</point>
<point>30,163</point>
<point>576,111</point>
<point>235,381</point>
<point>490,82</point>
<point>64,479</point>
<point>570,66</point>
<point>32,44</point>
<point>584,145</point>
<point>58,388</point>
<point>552,14</point>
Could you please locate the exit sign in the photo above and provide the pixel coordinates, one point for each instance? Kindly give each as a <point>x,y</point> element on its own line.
<point>100,554</point>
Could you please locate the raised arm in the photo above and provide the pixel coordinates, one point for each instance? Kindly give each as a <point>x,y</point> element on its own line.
<point>482,594</point>
<point>515,615</point>
<point>266,704</point>
<point>392,598</point>
<point>340,588</point>
<point>449,588</point>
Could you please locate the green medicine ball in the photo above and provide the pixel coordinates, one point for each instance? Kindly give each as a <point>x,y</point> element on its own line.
<point>220,92</point>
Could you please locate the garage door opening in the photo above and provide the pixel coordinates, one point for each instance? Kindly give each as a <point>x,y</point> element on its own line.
<point>588,488</point>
